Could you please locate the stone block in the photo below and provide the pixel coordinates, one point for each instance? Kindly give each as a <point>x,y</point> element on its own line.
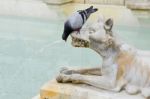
<point>54,90</point>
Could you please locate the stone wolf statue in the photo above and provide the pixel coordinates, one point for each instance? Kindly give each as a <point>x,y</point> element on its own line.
<point>123,67</point>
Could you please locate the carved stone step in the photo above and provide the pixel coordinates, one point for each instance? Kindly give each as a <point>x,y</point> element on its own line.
<point>54,90</point>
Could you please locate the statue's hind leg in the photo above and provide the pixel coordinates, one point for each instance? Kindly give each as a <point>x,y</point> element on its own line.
<point>146,92</point>
<point>120,85</point>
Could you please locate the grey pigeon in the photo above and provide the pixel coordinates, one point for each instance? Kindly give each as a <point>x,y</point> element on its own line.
<point>76,21</point>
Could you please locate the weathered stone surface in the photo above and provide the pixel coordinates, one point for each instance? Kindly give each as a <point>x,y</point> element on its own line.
<point>78,1</point>
<point>54,90</point>
<point>139,5</point>
<point>57,1</point>
<point>114,2</point>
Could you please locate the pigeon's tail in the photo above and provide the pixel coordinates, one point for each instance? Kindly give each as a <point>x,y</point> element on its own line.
<point>67,31</point>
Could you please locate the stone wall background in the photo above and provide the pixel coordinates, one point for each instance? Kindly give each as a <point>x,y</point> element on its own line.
<point>117,2</point>
<point>106,2</point>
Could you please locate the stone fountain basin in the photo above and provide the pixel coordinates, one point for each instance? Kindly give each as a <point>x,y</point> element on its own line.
<point>54,90</point>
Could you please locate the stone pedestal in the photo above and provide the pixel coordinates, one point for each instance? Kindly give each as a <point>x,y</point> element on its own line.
<point>54,90</point>
<point>57,1</point>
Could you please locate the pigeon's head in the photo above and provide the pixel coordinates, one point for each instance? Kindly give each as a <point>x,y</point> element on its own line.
<point>91,10</point>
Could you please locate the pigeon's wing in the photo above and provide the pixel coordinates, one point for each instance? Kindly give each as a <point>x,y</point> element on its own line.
<point>76,21</point>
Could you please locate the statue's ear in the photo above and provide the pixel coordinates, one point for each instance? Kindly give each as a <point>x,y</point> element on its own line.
<point>108,24</point>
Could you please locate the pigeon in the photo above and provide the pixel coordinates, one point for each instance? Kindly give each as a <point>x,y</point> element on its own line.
<point>76,21</point>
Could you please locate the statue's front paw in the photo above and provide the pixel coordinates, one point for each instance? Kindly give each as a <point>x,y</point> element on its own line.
<point>59,79</point>
<point>63,69</point>
<point>66,70</point>
<point>62,78</point>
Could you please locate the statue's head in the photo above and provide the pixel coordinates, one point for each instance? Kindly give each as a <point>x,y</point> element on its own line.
<point>98,36</point>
